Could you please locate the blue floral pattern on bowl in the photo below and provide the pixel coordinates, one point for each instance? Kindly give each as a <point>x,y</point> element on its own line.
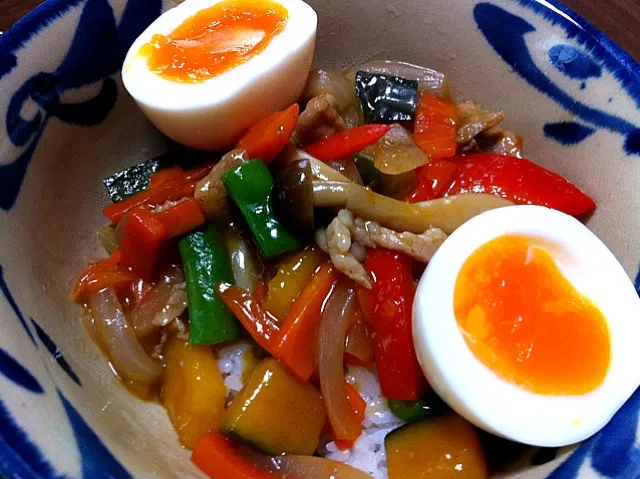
<point>102,33</point>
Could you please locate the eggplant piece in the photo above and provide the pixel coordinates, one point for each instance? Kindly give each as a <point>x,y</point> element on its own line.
<point>293,196</point>
<point>385,98</point>
<point>134,179</point>
<point>368,172</point>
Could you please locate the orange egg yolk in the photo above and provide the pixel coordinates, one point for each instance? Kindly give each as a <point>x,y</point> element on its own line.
<point>215,40</point>
<point>525,321</point>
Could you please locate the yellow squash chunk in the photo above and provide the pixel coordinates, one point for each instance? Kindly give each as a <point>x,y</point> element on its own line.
<point>276,412</point>
<point>446,447</point>
<point>193,391</point>
<point>292,276</point>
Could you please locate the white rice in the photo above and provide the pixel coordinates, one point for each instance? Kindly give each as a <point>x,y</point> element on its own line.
<point>368,453</point>
<point>231,365</point>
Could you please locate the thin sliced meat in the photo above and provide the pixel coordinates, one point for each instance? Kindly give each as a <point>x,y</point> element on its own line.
<point>474,120</point>
<point>319,120</point>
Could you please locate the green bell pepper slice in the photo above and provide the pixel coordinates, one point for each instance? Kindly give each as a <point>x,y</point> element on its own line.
<point>249,184</point>
<point>205,263</point>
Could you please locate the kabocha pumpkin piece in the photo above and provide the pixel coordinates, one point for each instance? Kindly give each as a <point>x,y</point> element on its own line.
<point>277,413</point>
<point>193,391</point>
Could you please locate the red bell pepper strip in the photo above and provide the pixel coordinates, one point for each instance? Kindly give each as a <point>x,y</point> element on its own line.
<point>267,138</point>
<point>517,180</point>
<point>298,341</point>
<point>435,126</point>
<point>217,456</point>
<point>170,190</point>
<point>346,143</point>
<point>387,309</point>
<point>181,218</point>
<point>143,237</point>
<point>358,405</point>
<point>433,181</point>
<point>108,273</point>
<point>260,324</point>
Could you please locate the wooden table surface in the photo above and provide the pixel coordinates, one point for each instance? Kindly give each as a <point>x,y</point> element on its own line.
<point>620,19</point>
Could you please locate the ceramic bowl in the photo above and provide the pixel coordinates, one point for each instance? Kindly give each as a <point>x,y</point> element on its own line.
<point>68,123</point>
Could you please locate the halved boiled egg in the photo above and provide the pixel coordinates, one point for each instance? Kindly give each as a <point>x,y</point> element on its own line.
<point>526,324</point>
<point>206,70</point>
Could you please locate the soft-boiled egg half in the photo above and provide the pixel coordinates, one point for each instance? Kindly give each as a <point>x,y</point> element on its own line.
<point>206,70</point>
<point>526,324</point>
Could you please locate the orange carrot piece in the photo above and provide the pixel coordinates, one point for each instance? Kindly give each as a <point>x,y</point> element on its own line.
<point>171,190</point>
<point>199,172</point>
<point>143,238</point>
<point>269,136</point>
<point>260,324</point>
<point>181,218</point>
<point>216,455</point>
<point>108,273</point>
<point>298,342</point>
<point>436,126</point>
<point>160,177</point>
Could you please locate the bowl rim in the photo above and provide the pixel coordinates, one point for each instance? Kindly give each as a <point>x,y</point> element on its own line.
<point>12,437</point>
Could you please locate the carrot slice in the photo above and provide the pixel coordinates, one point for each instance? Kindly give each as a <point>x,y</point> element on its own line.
<point>217,457</point>
<point>160,177</point>
<point>108,273</point>
<point>143,238</point>
<point>171,190</point>
<point>269,136</point>
<point>181,218</point>
<point>298,342</point>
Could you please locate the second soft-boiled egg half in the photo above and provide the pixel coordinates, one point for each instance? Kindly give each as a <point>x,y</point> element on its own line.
<point>526,324</point>
<point>206,70</point>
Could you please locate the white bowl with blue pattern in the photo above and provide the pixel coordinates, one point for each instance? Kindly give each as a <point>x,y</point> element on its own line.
<point>568,89</point>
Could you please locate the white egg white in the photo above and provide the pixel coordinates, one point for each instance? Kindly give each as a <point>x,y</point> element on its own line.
<point>480,395</point>
<point>211,115</point>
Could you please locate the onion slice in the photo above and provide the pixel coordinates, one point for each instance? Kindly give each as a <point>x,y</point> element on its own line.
<point>430,81</point>
<point>245,262</point>
<point>358,341</point>
<point>333,329</point>
<point>127,355</point>
<point>166,301</point>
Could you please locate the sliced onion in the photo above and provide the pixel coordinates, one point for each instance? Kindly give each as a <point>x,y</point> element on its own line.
<point>358,341</point>
<point>89,324</point>
<point>320,82</point>
<point>333,329</point>
<point>348,168</point>
<point>107,238</point>
<point>430,81</point>
<point>127,355</point>
<point>245,263</point>
<point>299,467</point>
<point>309,467</point>
<point>166,301</point>
<point>396,153</point>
